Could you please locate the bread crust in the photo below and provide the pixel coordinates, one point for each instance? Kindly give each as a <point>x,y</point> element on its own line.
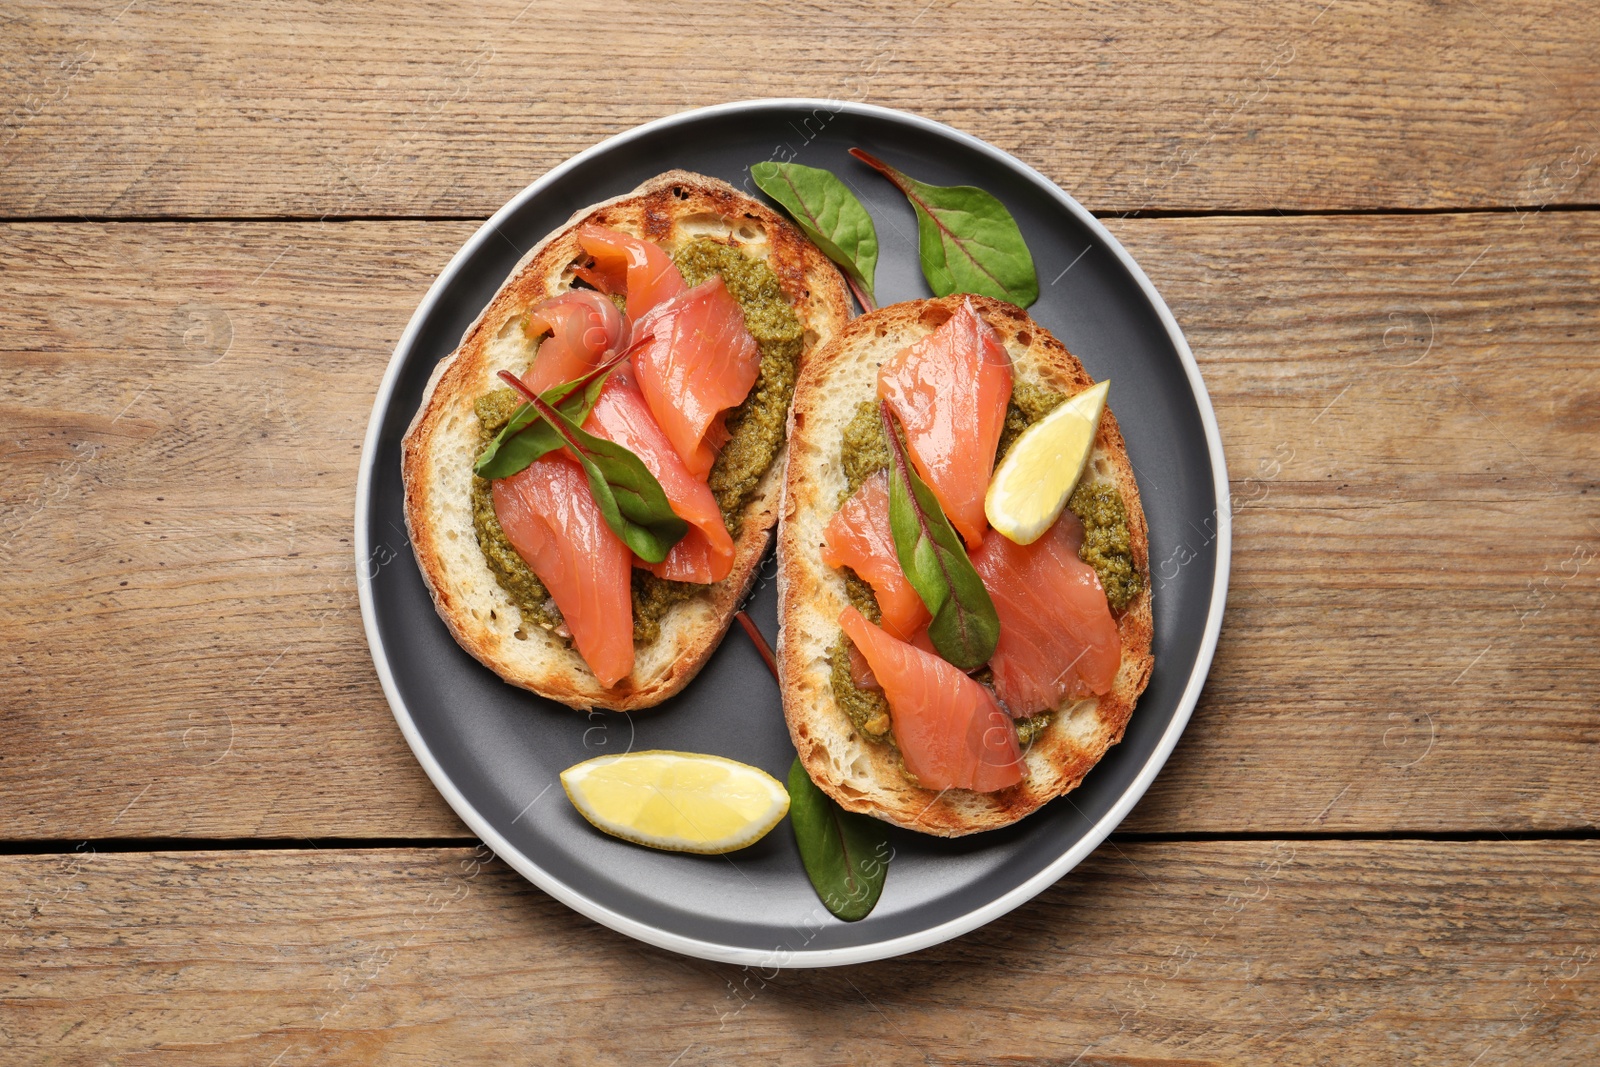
<point>441,443</point>
<point>862,775</point>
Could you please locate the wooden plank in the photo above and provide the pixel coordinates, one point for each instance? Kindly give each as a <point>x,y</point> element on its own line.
<point>1410,411</point>
<point>1409,636</point>
<point>183,437</point>
<point>304,108</point>
<point>1176,955</point>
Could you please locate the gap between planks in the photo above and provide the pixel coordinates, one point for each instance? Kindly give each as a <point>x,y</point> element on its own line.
<point>1113,216</point>
<point>64,846</point>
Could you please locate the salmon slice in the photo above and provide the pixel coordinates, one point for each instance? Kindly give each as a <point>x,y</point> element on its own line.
<point>951,732</point>
<point>584,326</point>
<point>700,362</point>
<point>861,675</point>
<point>858,537</point>
<point>627,264</point>
<point>705,554</point>
<point>950,390</point>
<point>1058,640</point>
<point>551,519</point>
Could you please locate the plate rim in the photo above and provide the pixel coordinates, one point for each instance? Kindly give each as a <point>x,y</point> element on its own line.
<point>782,956</point>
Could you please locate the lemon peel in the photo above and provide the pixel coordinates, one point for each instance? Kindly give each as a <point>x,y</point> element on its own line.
<point>677,801</point>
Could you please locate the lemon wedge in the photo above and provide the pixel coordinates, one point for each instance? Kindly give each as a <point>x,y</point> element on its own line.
<point>1031,485</point>
<point>679,801</point>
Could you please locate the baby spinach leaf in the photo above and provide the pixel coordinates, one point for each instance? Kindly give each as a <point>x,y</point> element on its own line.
<point>965,627</point>
<point>846,855</point>
<point>629,498</point>
<point>830,215</point>
<point>968,240</point>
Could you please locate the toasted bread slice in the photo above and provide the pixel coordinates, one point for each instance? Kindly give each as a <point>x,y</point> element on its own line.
<point>443,441</point>
<point>863,775</point>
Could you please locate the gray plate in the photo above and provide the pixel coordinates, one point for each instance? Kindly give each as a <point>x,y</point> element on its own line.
<point>495,751</point>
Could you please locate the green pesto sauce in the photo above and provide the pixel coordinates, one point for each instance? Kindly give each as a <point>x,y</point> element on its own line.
<point>864,450</point>
<point>1029,729</point>
<point>1107,546</point>
<point>1029,403</point>
<point>757,425</point>
<point>652,597</point>
<point>494,410</point>
<point>867,710</point>
<point>862,596</point>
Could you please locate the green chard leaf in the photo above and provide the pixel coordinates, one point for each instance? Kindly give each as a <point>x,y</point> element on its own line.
<point>846,855</point>
<point>630,499</point>
<point>830,215</point>
<point>526,437</point>
<point>969,241</point>
<point>965,627</point>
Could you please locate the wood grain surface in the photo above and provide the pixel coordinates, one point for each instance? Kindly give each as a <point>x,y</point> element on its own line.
<point>1378,842</point>
<point>1148,955</point>
<point>1409,406</point>
<point>297,107</point>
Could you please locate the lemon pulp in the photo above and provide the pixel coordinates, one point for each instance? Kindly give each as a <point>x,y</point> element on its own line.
<point>1032,483</point>
<point>679,801</point>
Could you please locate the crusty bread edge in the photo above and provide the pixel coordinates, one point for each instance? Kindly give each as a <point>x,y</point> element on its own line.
<point>674,205</point>
<point>864,776</point>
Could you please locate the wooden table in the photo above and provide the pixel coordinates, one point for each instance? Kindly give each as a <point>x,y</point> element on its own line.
<point>1375,844</point>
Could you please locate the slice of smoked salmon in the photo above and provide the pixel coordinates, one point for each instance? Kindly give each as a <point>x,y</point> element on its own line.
<point>626,264</point>
<point>861,675</point>
<point>550,518</point>
<point>700,362</point>
<point>950,390</point>
<point>584,326</point>
<point>705,554</point>
<point>858,537</point>
<point>1058,640</point>
<point>951,732</point>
